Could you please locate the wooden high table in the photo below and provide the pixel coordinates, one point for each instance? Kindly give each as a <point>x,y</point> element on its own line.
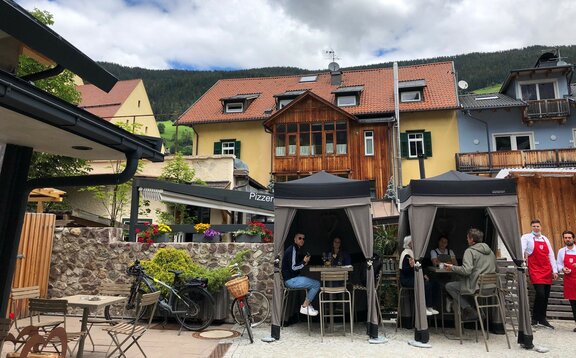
<point>323,268</point>
<point>87,303</point>
<point>443,276</point>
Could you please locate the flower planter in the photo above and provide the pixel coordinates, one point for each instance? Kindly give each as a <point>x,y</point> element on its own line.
<point>202,238</point>
<point>222,304</point>
<point>248,238</point>
<point>163,238</point>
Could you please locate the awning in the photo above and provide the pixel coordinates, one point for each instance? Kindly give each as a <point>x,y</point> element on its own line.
<point>203,196</point>
<point>384,210</point>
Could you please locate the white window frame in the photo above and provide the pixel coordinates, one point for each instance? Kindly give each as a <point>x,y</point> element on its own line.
<point>368,143</point>
<point>536,82</point>
<point>341,103</point>
<point>418,139</point>
<point>284,102</point>
<point>405,98</point>
<point>513,135</point>
<point>232,107</point>
<point>228,148</point>
<point>574,137</point>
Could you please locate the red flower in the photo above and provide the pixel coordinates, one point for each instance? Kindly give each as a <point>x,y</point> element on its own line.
<point>11,315</point>
<point>140,239</point>
<point>150,241</point>
<point>137,231</point>
<point>155,231</point>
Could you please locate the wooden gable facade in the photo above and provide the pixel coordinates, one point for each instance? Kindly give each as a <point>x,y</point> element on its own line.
<point>311,134</point>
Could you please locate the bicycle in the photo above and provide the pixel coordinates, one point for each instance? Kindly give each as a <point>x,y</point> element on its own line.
<point>259,305</point>
<point>239,288</point>
<point>188,300</point>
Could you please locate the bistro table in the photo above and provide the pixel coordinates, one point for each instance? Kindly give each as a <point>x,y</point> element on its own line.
<point>324,268</point>
<point>443,276</point>
<point>87,303</point>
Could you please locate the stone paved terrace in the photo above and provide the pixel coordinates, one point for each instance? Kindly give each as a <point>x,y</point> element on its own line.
<point>295,342</point>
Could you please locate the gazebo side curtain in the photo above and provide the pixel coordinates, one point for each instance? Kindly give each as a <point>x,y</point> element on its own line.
<point>362,229</point>
<point>283,217</point>
<point>421,229</point>
<point>505,219</point>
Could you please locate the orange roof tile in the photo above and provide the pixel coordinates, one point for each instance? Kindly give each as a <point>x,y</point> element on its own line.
<point>103,104</point>
<point>377,95</point>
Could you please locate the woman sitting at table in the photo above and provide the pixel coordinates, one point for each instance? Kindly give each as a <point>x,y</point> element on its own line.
<point>407,276</point>
<point>442,254</point>
<point>338,256</point>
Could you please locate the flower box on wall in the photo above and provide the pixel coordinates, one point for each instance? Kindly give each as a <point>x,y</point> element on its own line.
<point>202,238</point>
<point>248,238</point>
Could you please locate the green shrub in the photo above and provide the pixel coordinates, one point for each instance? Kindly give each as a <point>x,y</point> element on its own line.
<point>385,239</point>
<point>169,258</point>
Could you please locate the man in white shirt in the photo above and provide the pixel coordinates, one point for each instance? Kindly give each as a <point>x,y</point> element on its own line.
<point>541,268</point>
<point>567,264</point>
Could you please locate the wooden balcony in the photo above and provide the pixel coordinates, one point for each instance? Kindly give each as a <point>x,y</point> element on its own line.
<point>484,162</point>
<point>547,110</point>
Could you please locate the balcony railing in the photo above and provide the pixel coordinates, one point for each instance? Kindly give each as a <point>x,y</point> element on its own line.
<point>493,161</point>
<point>547,109</point>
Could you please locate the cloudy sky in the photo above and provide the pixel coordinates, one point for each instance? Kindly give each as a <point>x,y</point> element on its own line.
<point>240,34</point>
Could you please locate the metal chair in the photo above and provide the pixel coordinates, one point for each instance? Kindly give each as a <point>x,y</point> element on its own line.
<point>285,293</point>
<point>132,330</point>
<point>19,301</point>
<point>115,313</point>
<point>334,287</point>
<point>35,343</point>
<point>42,306</point>
<point>489,295</point>
<point>510,298</point>
<point>404,292</point>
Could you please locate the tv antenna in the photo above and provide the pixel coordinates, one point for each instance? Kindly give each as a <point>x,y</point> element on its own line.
<point>332,54</point>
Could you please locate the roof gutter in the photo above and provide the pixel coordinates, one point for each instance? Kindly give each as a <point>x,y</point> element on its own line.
<point>90,180</point>
<point>54,71</point>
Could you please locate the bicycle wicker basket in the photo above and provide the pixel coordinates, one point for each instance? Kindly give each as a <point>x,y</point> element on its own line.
<point>238,287</point>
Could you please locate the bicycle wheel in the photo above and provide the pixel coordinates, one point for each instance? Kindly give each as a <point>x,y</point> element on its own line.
<point>247,318</point>
<point>259,307</point>
<point>194,309</point>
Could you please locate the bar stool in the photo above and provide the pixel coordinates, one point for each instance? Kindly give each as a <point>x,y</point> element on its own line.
<point>285,293</point>
<point>333,290</point>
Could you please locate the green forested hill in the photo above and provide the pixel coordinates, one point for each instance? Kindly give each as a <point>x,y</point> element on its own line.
<point>171,92</point>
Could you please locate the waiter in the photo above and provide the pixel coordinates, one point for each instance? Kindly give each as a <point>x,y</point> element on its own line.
<point>541,268</point>
<point>567,263</point>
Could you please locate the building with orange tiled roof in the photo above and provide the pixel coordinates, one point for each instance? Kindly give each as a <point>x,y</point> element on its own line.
<point>126,103</point>
<point>340,121</point>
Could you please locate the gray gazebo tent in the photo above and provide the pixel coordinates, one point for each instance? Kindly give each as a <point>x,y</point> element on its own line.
<point>455,198</point>
<point>323,192</point>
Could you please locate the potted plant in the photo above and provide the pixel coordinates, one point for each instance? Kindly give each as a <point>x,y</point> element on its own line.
<point>204,233</point>
<point>153,233</point>
<point>255,232</point>
<point>386,245</point>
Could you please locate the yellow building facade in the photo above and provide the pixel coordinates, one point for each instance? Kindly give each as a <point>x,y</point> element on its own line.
<point>255,144</point>
<point>443,127</point>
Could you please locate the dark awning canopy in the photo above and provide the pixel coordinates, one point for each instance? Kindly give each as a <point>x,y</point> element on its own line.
<point>322,186</point>
<point>454,183</point>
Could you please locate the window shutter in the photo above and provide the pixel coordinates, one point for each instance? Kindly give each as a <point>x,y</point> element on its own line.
<point>428,144</point>
<point>404,145</point>
<point>217,147</point>
<point>237,149</point>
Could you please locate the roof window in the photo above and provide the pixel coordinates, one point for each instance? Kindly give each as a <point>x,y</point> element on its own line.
<point>309,78</point>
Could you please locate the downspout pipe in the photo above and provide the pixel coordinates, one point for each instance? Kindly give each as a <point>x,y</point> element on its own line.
<point>132,159</point>
<point>469,114</point>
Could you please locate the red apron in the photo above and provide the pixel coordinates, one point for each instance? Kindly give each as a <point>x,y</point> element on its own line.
<point>539,266</point>
<point>570,278</point>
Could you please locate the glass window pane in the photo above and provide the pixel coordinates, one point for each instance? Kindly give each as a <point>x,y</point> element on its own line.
<point>528,92</point>
<point>292,145</point>
<point>292,128</point>
<point>316,143</point>
<point>304,127</point>
<point>280,128</point>
<point>343,101</point>
<point>329,126</point>
<point>503,143</point>
<point>546,90</point>
<point>316,127</point>
<point>341,126</point>
<point>341,142</point>
<point>304,144</point>
<point>329,143</point>
<point>522,142</point>
<point>280,145</point>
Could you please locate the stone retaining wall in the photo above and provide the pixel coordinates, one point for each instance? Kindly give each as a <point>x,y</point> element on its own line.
<point>83,258</point>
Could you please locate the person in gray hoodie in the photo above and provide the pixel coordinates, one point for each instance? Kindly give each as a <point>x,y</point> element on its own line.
<point>478,259</point>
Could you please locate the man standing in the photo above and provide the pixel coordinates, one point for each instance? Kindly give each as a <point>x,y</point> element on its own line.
<point>291,267</point>
<point>478,259</point>
<point>567,263</point>
<point>541,268</point>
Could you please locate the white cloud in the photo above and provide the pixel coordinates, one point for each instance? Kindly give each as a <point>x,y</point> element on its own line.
<point>208,34</point>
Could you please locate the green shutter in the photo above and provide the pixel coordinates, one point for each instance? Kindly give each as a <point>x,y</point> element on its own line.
<point>217,147</point>
<point>428,144</point>
<point>404,145</point>
<point>237,149</point>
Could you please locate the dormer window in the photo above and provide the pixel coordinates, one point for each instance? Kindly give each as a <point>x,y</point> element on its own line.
<point>238,103</point>
<point>348,96</point>
<point>411,91</point>
<point>283,99</point>
<point>234,107</point>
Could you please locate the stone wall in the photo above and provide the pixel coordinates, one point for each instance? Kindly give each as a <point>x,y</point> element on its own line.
<point>83,258</point>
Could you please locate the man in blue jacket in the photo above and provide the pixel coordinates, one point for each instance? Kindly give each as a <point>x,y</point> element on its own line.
<point>291,267</point>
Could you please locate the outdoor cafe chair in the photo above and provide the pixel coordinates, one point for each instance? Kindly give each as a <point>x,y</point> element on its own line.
<point>132,330</point>
<point>114,312</point>
<point>42,306</point>
<point>34,344</point>
<point>333,290</point>
<point>19,302</point>
<point>285,293</point>
<point>403,293</point>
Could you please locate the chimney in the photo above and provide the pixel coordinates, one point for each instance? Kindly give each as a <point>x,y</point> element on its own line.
<point>336,78</point>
